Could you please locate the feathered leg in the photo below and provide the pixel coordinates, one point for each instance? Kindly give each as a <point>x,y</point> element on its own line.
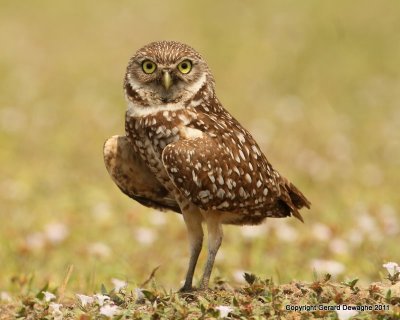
<point>215,235</point>
<point>193,220</point>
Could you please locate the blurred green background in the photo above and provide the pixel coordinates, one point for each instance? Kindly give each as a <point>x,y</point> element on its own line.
<point>316,82</point>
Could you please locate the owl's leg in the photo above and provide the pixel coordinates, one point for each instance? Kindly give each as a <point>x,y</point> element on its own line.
<point>215,235</point>
<point>193,220</point>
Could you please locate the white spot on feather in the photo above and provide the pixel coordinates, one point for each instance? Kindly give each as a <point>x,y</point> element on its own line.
<point>211,176</point>
<point>229,183</point>
<point>256,150</point>
<point>220,193</point>
<point>192,133</point>
<point>204,194</point>
<point>241,137</point>
<point>224,204</point>
<point>242,154</point>
<point>248,178</point>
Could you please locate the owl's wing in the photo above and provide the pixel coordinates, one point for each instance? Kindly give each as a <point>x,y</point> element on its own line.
<point>228,172</point>
<point>132,176</point>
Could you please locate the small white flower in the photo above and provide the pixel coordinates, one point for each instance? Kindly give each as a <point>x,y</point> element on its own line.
<point>224,311</point>
<point>35,241</point>
<point>345,314</point>
<point>101,299</point>
<point>102,212</point>
<point>238,275</point>
<point>355,238</point>
<point>158,218</point>
<point>286,233</point>
<point>366,223</point>
<point>55,308</point>
<point>251,232</point>
<point>145,236</point>
<point>56,232</point>
<point>338,246</point>
<point>109,310</point>
<point>321,231</point>
<point>333,267</point>
<point>99,250</point>
<point>85,299</point>
<point>5,296</point>
<point>139,294</point>
<point>392,268</point>
<point>389,218</point>
<point>118,284</point>
<point>48,296</point>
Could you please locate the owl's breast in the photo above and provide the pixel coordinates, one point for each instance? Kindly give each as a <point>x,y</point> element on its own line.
<point>160,128</point>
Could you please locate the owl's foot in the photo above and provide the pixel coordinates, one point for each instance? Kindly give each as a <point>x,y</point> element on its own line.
<point>203,285</point>
<point>187,289</point>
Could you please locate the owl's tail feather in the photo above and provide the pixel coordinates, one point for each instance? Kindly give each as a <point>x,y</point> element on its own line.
<point>298,198</point>
<point>295,200</point>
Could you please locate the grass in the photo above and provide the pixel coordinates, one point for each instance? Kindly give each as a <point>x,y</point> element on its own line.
<point>257,299</point>
<point>316,83</point>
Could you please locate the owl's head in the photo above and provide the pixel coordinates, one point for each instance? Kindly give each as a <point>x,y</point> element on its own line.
<point>166,72</point>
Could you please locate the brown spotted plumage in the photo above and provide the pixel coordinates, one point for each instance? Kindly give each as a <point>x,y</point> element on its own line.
<point>188,154</point>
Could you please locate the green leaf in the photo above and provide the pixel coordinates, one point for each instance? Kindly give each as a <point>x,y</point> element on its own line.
<point>328,277</point>
<point>202,308</point>
<point>250,278</point>
<point>388,295</point>
<point>103,290</point>
<point>116,299</point>
<point>40,294</point>
<point>149,295</point>
<point>352,284</point>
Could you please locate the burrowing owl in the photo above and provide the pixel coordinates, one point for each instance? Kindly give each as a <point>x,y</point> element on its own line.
<point>184,152</point>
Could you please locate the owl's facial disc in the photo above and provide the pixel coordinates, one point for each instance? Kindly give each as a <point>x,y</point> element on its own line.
<point>169,82</point>
<point>158,82</point>
<point>166,72</point>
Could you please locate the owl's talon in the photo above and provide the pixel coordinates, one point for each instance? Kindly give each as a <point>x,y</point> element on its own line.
<point>187,289</point>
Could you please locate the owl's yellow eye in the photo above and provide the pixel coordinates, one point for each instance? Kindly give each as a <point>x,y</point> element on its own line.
<point>148,66</point>
<point>185,66</point>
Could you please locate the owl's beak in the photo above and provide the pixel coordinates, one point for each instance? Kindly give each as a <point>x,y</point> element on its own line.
<point>166,80</point>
